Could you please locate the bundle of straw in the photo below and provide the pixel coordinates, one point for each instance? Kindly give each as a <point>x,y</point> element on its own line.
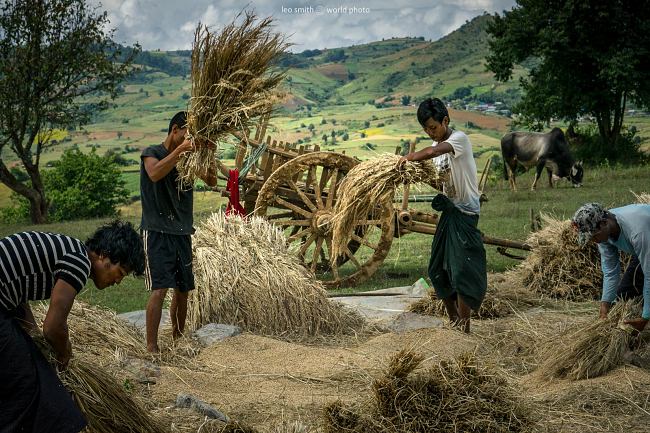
<point>232,83</point>
<point>492,307</point>
<point>246,276</point>
<point>368,188</point>
<point>558,267</point>
<point>452,396</point>
<point>593,350</point>
<point>104,402</point>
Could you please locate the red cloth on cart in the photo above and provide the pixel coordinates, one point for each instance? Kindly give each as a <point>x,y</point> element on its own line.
<point>234,207</point>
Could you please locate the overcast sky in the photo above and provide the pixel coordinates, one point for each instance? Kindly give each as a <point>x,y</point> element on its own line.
<point>170,24</point>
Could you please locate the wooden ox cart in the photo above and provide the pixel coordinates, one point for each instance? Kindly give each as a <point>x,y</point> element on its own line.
<point>295,188</point>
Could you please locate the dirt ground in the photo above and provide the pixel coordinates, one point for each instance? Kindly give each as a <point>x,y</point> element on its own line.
<point>266,382</point>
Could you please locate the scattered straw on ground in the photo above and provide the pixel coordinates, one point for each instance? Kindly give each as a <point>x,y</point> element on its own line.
<point>494,305</point>
<point>232,83</point>
<point>247,276</point>
<point>592,350</point>
<point>368,188</point>
<point>452,396</point>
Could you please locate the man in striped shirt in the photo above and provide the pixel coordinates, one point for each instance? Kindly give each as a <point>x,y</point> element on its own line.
<point>37,266</point>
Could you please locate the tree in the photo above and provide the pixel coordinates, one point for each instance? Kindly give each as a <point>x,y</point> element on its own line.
<point>52,54</point>
<point>585,57</point>
<point>406,100</point>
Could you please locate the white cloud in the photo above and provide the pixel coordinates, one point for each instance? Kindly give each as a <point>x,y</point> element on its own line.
<point>170,24</point>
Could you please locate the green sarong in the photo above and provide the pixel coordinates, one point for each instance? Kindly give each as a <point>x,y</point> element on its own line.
<point>457,265</point>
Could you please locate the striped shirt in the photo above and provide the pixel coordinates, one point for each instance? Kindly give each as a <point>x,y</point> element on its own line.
<point>32,262</point>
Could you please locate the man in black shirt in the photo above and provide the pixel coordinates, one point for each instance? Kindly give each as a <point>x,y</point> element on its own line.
<point>37,266</point>
<point>167,229</point>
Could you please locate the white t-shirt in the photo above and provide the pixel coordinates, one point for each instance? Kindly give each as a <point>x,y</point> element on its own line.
<point>462,186</point>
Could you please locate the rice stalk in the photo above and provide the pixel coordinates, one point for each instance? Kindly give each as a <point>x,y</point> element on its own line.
<point>368,188</point>
<point>590,351</point>
<point>232,83</point>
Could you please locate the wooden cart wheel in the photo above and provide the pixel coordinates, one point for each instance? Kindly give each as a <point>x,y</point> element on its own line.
<point>300,196</point>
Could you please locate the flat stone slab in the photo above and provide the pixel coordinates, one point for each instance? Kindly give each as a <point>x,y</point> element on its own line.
<point>392,311</point>
<point>138,318</point>
<point>214,332</point>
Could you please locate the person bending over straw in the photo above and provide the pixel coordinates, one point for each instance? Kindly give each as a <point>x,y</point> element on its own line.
<point>37,266</point>
<point>457,267</point>
<point>625,229</point>
<point>167,228</point>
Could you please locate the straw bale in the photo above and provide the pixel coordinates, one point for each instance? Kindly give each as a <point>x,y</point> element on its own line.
<point>232,83</point>
<point>451,396</point>
<point>590,351</point>
<point>370,186</point>
<point>104,402</point>
<point>246,275</point>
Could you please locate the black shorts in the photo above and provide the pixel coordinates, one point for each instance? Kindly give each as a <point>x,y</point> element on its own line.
<point>168,261</point>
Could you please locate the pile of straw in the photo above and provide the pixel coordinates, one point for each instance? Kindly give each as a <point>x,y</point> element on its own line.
<point>558,267</point>
<point>104,402</point>
<point>246,276</point>
<point>591,351</point>
<point>232,83</point>
<point>452,396</point>
<point>493,306</point>
<point>97,331</point>
<point>370,186</point>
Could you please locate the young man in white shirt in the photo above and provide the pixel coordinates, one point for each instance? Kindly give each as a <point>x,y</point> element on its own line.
<point>457,267</point>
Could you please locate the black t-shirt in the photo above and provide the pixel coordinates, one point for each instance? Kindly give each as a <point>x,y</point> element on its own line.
<point>166,207</point>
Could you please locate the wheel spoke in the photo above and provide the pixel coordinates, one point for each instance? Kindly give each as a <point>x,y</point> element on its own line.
<point>317,190</point>
<point>332,190</point>
<point>364,241</point>
<point>302,195</point>
<point>307,243</point>
<point>285,223</point>
<point>352,258</point>
<point>293,207</point>
<point>324,177</point>
<point>279,215</point>
<point>299,235</point>
<point>314,257</point>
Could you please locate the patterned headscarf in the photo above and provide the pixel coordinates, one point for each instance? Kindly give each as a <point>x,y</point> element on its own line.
<point>587,219</point>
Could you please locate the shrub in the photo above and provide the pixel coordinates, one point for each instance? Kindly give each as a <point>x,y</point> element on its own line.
<point>78,186</point>
<point>589,146</point>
